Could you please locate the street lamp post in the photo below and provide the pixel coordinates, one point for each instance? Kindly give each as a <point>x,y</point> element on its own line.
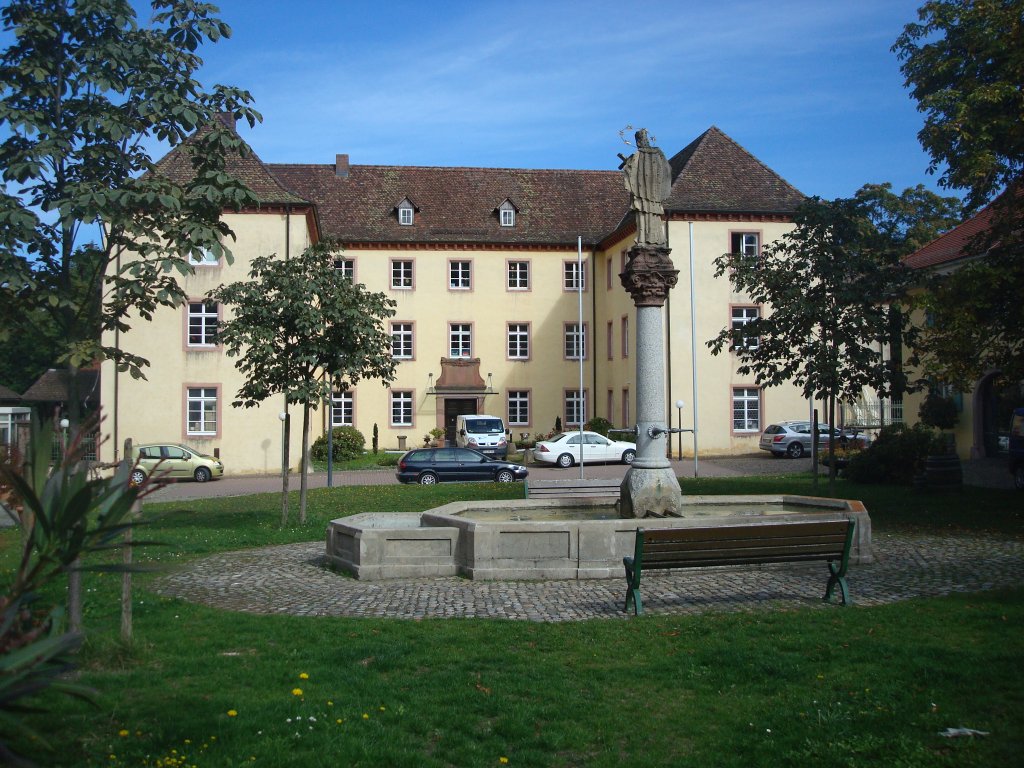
<point>64,424</point>
<point>679,407</point>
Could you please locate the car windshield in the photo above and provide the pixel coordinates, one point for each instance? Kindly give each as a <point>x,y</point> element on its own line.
<point>484,426</point>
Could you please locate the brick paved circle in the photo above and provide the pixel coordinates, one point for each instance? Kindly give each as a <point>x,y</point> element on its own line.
<point>292,579</point>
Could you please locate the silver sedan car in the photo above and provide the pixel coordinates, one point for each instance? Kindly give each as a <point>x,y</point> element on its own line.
<point>792,438</point>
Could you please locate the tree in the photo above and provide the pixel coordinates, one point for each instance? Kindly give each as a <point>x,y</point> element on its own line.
<point>829,284</point>
<point>964,66</point>
<point>303,329</point>
<point>86,92</point>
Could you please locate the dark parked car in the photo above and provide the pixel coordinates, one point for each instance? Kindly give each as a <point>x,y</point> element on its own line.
<point>427,466</point>
<point>1017,448</point>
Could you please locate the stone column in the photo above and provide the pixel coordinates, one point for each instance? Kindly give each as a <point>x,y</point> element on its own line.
<point>650,487</point>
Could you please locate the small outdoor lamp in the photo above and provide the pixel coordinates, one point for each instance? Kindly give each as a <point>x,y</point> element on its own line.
<point>679,407</point>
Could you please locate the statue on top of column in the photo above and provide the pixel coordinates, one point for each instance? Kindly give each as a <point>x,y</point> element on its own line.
<point>648,178</point>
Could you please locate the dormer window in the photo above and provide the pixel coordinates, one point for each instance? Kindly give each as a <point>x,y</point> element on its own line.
<point>507,214</point>
<point>406,212</point>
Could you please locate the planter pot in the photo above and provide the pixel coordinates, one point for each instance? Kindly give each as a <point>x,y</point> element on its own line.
<point>943,472</point>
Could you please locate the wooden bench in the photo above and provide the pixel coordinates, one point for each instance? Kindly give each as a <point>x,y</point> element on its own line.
<point>778,542</point>
<point>572,489</point>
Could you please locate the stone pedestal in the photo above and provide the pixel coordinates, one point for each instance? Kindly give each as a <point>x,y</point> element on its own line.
<point>650,488</point>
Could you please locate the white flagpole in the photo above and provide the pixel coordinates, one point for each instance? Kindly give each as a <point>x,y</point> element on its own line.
<point>581,342</point>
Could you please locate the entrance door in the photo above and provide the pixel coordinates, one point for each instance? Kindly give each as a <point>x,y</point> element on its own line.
<point>453,408</point>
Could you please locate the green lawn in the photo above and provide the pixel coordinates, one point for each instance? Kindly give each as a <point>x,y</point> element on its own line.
<point>845,687</point>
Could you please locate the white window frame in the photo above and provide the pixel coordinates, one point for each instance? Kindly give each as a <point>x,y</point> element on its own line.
<point>460,275</point>
<point>402,274</point>
<point>740,316</point>
<point>517,345</point>
<point>507,214</point>
<point>402,341</point>
<point>400,405</point>
<point>749,243</point>
<point>207,258</point>
<point>518,275</point>
<point>746,401</point>
<point>460,340</point>
<point>574,276</point>
<point>406,214</point>
<point>518,407</point>
<point>343,406</point>
<point>574,346</point>
<point>203,316</point>
<point>572,406</point>
<point>347,267</point>
<point>199,400</point>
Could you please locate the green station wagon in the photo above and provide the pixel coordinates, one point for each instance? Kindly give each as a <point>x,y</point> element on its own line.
<point>172,461</point>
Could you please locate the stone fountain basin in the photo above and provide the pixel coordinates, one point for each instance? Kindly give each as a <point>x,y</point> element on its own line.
<point>547,538</point>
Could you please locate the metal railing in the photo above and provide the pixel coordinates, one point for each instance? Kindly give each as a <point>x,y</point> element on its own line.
<point>871,414</point>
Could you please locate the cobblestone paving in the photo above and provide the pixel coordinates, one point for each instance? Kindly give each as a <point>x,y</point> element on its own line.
<point>292,579</point>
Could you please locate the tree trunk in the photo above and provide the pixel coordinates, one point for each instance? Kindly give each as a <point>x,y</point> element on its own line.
<point>832,470</point>
<point>303,464</point>
<point>284,468</point>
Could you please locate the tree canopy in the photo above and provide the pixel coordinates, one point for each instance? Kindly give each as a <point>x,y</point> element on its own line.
<point>87,92</point>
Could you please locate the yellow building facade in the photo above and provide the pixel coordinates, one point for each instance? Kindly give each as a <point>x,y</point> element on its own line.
<point>504,281</point>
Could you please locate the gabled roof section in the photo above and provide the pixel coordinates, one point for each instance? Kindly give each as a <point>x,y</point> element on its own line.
<point>714,174</point>
<point>8,395</point>
<point>953,245</point>
<point>247,168</point>
<point>52,387</point>
<point>456,205</point>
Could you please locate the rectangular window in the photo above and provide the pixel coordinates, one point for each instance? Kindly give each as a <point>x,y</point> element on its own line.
<point>347,267</point>
<point>401,341</point>
<point>575,407</point>
<point>746,243</point>
<point>405,215</point>
<point>518,341</point>
<point>608,274</point>
<point>746,409</point>
<point>205,258</point>
<point>508,216</point>
<point>201,407</point>
<point>740,317</point>
<point>575,341</point>
<point>202,323</point>
<point>574,276</point>
<point>460,275</point>
<point>401,274</point>
<point>610,405</point>
<point>625,337</point>
<point>401,409</point>
<point>626,423</point>
<point>610,341</point>
<point>460,340</point>
<point>342,407</point>
<point>519,275</point>
<point>519,407</point>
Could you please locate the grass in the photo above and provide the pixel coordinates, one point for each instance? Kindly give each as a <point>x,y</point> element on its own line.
<point>848,687</point>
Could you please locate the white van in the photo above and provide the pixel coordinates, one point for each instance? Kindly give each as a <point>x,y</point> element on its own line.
<point>482,433</point>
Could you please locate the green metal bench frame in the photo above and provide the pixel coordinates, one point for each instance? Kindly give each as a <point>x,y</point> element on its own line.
<point>777,542</point>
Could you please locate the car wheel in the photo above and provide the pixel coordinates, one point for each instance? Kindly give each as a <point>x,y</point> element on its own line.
<point>565,460</point>
<point>428,478</point>
<point>136,478</point>
<point>505,476</point>
<point>202,474</point>
<point>795,450</point>
<point>1018,478</point>
<point>628,456</point>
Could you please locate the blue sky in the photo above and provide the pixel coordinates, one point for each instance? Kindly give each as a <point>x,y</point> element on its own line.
<point>810,87</point>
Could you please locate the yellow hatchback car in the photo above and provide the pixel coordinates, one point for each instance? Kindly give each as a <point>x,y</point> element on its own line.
<point>172,461</point>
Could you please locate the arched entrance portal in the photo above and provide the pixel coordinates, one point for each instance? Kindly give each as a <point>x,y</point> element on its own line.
<point>994,401</point>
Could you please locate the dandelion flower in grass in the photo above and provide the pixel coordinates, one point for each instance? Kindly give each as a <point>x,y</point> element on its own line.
<point>303,676</point>
<point>122,733</point>
<point>365,716</point>
<point>296,691</point>
<point>232,713</point>
<point>503,760</point>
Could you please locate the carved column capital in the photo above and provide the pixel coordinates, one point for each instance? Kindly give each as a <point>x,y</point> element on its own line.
<point>649,275</point>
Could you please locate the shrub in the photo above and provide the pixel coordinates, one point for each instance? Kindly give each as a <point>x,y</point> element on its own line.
<point>599,425</point>
<point>895,456</point>
<point>938,411</point>
<point>348,444</point>
<point>376,442</point>
<point>388,459</point>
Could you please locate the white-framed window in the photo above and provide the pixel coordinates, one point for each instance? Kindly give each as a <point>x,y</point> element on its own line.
<point>401,274</point>
<point>205,258</point>
<point>347,267</point>
<point>625,336</point>
<point>342,408</point>
<point>507,214</point>
<point>460,275</point>
<point>575,407</point>
<point>519,407</point>
<point>401,341</point>
<point>625,408</point>
<point>740,317</point>
<point>202,323</point>
<point>406,213</point>
<point>460,340</point>
<point>519,275</point>
<point>746,409</point>
<point>201,409</point>
<point>574,276</point>
<point>401,409</point>
<point>610,342</point>
<point>518,341</point>
<point>575,346</point>
<point>747,243</point>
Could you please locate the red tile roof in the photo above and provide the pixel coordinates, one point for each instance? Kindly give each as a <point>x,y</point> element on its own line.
<point>953,245</point>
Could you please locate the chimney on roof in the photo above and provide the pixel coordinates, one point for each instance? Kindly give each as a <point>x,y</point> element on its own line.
<point>341,166</point>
